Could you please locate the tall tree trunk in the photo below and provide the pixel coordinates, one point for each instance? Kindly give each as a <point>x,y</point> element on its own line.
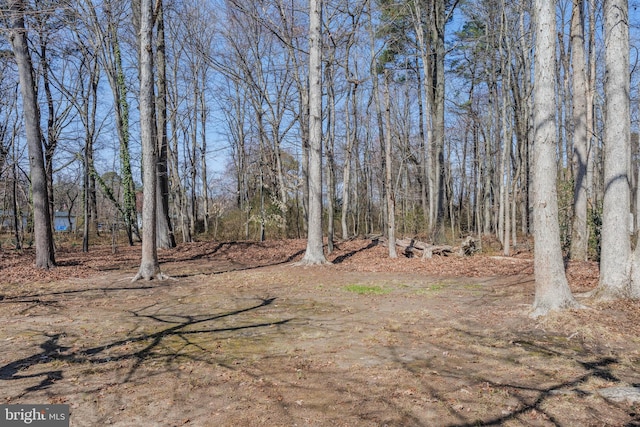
<point>314,253</point>
<point>351,124</point>
<point>149,265</point>
<point>112,63</point>
<point>330,146</point>
<point>302,86</point>
<point>17,217</point>
<point>87,109</point>
<point>45,257</point>
<point>203,155</point>
<point>579,237</point>
<point>85,199</point>
<point>193,163</point>
<point>346,172</point>
<point>504,219</point>
<point>122,123</point>
<point>616,246</point>
<point>437,233</point>
<point>423,172</point>
<point>165,237</point>
<point>388,183</point>
<point>178,189</point>
<point>552,289</point>
<point>591,90</point>
<point>51,141</point>
<point>526,119</point>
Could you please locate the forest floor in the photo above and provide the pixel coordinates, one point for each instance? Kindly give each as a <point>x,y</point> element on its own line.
<point>240,336</point>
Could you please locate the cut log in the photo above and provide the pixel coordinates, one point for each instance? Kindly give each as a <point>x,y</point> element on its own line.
<point>468,247</point>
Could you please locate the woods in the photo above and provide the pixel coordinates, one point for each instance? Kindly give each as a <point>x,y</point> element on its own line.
<point>320,212</point>
<point>430,120</point>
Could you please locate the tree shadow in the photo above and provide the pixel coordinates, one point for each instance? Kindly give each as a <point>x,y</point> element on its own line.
<point>342,258</point>
<point>35,297</point>
<point>593,369</point>
<point>531,398</point>
<point>237,266</point>
<point>208,253</point>
<point>179,325</point>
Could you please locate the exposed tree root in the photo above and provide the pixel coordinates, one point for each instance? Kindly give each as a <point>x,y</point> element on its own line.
<point>305,262</point>
<point>146,274</point>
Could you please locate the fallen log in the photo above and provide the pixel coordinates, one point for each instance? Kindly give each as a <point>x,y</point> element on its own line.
<point>427,249</point>
<point>411,246</point>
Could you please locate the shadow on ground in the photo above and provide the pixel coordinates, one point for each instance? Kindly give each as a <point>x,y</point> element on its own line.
<point>177,326</point>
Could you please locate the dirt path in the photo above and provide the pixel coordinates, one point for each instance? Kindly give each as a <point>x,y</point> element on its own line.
<point>240,337</point>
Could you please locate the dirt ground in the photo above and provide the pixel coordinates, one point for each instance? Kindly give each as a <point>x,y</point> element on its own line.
<point>240,336</point>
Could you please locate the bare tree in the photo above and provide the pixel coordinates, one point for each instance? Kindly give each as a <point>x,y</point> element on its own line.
<point>149,265</point>
<point>41,215</point>
<point>57,110</point>
<point>110,54</point>
<point>314,253</point>
<point>176,117</point>
<point>552,289</point>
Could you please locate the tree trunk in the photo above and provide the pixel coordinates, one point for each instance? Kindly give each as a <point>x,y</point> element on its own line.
<point>616,246</point>
<point>112,63</point>
<point>438,100</point>
<point>314,253</point>
<point>164,235</point>
<point>85,189</point>
<point>552,289</point>
<point>330,146</point>
<point>346,172</point>
<point>579,237</point>
<point>149,265</point>
<point>591,90</point>
<point>504,218</point>
<point>122,124</point>
<point>193,163</point>
<point>51,141</point>
<point>203,153</point>
<point>388,184</point>
<point>17,218</point>
<point>41,215</point>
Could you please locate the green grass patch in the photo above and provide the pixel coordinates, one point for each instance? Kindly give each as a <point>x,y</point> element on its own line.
<point>367,290</point>
<point>436,287</point>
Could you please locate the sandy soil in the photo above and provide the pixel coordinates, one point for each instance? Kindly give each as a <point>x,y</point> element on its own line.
<point>239,336</point>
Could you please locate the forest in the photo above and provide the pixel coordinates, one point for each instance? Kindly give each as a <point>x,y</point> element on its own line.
<point>431,120</point>
<point>291,183</point>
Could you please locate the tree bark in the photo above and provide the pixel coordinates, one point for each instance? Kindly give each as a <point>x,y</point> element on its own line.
<point>437,102</point>
<point>388,183</point>
<point>552,289</point>
<point>149,265</point>
<point>45,257</point>
<point>616,245</point>
<point>330,147</point>
<point>314,253</point>
<point>579,237</point>
<point>350,131</point>
<point>112,63</point>
<point>165,237</point>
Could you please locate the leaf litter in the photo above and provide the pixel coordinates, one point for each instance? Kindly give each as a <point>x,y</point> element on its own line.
<point>240,336</point>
